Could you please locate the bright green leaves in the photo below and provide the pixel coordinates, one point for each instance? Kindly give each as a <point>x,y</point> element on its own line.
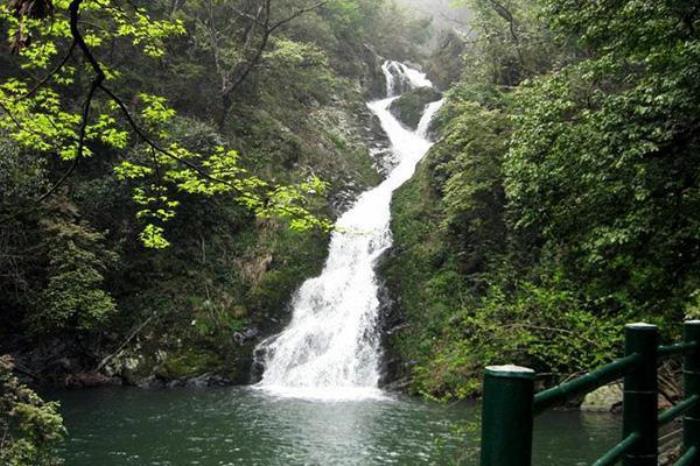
<point>102,22</point>
<point>155,111</point>
<point>153,237</point>
<point>107,131</point>
<point>42,117</point>
<point>130,171</point>
<point>289,202</point>
<point>38,122</point>
<point>223,176</point>
<point>36,114</point>
<point>145,32</point>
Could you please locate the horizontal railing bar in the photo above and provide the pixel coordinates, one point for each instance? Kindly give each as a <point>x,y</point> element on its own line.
<point>666,351</point>
<point>671,413</point>
<point>585,383</point>
<point>687,458</point>
<point>615,453</point>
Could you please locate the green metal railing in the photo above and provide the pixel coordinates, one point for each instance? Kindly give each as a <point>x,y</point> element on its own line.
<point>510,403</point>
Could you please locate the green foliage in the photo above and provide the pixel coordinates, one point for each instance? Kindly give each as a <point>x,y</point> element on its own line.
<point>40,117</point>
<point>30,429</point>
<point>304,65</point>
<point>564,196</point>
<point>73,298</point>
<point>511,42</point>
<point>603,157</point>
<point>541,325</point>
<point>468,165</point>
<point>394,32</point>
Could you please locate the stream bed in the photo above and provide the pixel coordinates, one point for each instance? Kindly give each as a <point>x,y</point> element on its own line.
<point>242,426</point>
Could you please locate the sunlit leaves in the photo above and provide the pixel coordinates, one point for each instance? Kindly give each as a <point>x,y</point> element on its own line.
<point>40,122</point>
<point>43,116</point>
<point>155,111</point>
<point>146,32</point>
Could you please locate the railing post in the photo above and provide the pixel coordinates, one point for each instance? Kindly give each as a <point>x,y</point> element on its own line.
<point>691,376</point>
<point>507,416</point>
<point>640,402</point>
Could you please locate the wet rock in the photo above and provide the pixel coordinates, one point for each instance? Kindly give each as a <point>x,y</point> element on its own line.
<point>246,336</point>
<point>607,399</point>
<point>399,385</point>
<point>373,80</point>
<point>150,382</point>
<point>89,380</point>
<point>409,108</point>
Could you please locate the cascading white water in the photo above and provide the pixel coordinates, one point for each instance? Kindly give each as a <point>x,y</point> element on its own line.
<point>400,78</point>
<point>331,348</point>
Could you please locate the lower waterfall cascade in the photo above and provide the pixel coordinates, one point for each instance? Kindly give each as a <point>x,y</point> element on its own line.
<point>331,348</point>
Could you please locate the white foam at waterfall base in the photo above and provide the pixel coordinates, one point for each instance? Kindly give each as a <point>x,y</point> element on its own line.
<point>331,348</point>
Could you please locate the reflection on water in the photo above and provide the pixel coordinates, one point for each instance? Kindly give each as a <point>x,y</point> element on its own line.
<point>574,438</point>
<point>247,427</point>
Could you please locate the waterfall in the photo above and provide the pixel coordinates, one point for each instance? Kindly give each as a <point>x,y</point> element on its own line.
<point>430,110</point>
<point>331,348</point>
<point>400,78</point>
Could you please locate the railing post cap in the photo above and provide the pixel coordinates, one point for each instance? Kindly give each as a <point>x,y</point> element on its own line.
<point>641,326</point>
<point>692,322</point>
<point>510,371</point>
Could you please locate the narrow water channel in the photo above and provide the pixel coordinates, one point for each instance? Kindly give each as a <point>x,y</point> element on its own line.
<point>239,426</point>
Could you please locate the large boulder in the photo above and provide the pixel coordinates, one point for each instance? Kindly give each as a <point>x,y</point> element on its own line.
<point>409,108</point>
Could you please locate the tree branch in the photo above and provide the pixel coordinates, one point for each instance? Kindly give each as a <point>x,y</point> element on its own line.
<point>504,13</point>
<point>96,83</point>
<point>296,14</point>
<point>248,65</point>
<point>150,142</point>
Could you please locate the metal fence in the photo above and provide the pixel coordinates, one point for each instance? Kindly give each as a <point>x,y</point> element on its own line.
<point>510,403</point>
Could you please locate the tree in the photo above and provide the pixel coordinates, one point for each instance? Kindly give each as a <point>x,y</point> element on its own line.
<point>30,429</point>
<point>67,43</point>
<point>604,163</point>
<point>236,36</point>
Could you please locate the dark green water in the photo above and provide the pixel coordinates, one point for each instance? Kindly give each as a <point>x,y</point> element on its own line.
<point>244,427</point>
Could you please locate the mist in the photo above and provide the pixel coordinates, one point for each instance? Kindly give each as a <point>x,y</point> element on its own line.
<point>445,15</point>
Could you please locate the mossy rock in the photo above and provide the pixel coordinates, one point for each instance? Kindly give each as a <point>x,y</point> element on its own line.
<point>190,363</point>
<point>410,106</point>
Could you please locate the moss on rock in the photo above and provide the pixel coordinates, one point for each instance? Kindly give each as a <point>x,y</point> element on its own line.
<point>410,106</point>
<point>190,362</point>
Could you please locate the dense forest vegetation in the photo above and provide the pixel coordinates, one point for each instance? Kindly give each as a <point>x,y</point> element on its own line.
<point>169,171</point>
<point>561,200</point>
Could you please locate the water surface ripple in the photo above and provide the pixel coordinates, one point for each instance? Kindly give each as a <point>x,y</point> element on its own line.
<point>239,426</point>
